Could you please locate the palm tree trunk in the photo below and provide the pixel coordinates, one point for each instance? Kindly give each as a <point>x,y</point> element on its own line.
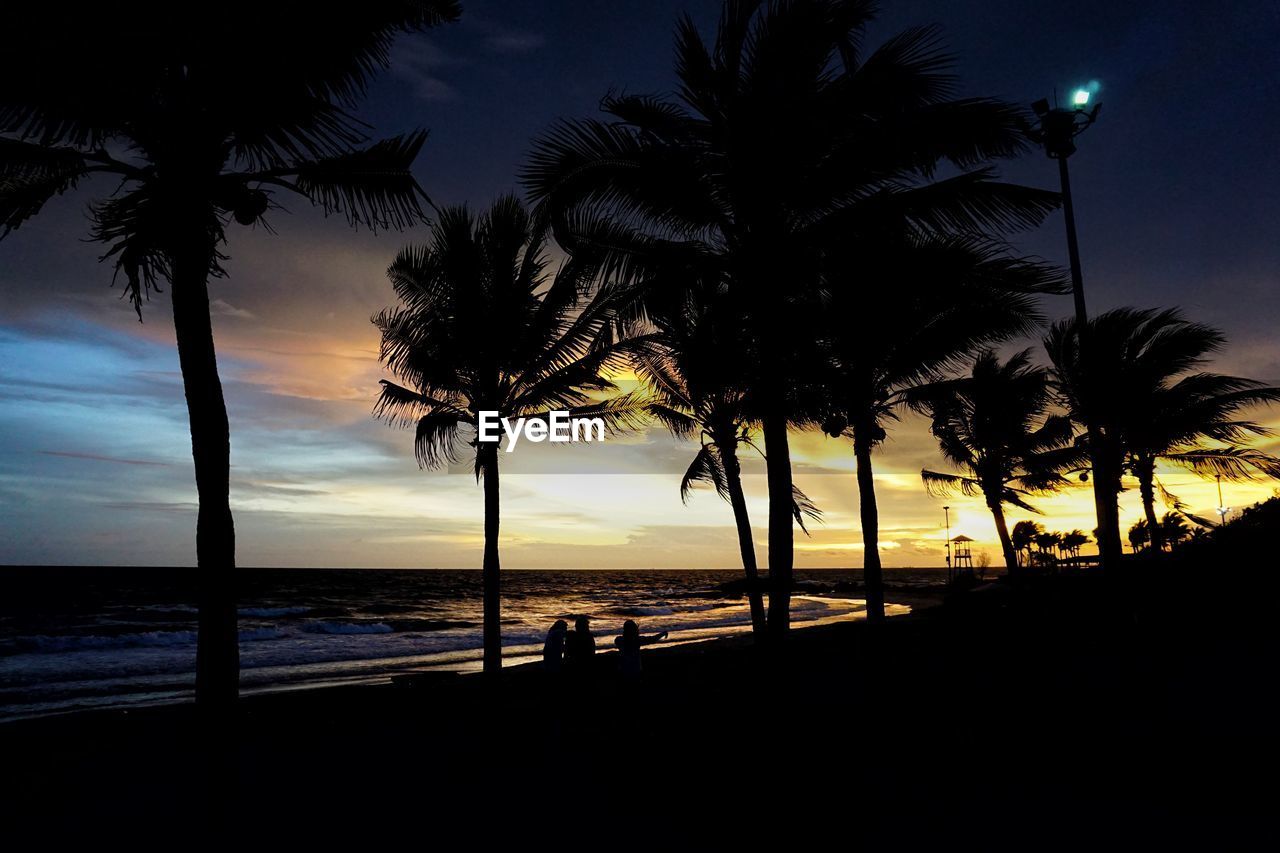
<point>1002,529</point>
<point>872,576</point>
<point>1146,487</point>
<point>1106,499</point>
<point>491,575</point>
<point>733,482</point>
<point>217,648</point>
<point>777,453</point>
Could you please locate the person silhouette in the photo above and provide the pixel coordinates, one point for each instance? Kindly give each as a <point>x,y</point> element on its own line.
<point>579,646</point>
<point>553,648</point>
<point>629,647</point>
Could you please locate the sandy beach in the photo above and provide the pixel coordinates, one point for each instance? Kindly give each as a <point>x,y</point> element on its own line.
<point>1031,716</point>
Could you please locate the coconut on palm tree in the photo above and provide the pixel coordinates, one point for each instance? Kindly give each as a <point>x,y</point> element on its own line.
<point>995,426</point>
<point>483,328</point>
<point>785,137</point>
<point>197,117</point>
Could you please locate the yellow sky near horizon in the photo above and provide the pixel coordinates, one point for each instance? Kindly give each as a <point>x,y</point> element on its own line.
<point>620,512</point>
<point>316,481</point>
<point>626,516</point>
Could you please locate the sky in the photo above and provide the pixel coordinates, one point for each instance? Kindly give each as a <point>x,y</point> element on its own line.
<point>1178,196</point>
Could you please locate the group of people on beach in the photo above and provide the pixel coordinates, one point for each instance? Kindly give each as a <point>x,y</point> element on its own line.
<point>573,649</point>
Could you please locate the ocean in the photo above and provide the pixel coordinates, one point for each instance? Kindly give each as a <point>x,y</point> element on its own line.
<point>73,638</point>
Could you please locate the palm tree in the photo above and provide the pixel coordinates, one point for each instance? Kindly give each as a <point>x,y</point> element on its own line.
<point>1140,535</point>
<point>196,126</point>
<point>1047,543</point>
<point>1174,529</point>
<point>994,426</point>
<point>1194,422</point>
<point>1151,406</point>
<point>1074,541</point>
<point>924,304</point>
<point>694,382</point>
<point>482,330</point>
<point>1023,537</point>
<point>784,138</point>
<point>1061,545</point>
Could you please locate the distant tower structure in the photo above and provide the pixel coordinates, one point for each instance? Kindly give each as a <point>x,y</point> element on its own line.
<point>961,555</point>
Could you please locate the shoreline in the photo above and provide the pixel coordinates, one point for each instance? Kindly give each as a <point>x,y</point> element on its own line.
<point>456,663</point>
<point>993,716</point>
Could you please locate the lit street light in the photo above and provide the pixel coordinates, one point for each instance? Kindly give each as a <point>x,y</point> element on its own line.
<point>1059,127</point>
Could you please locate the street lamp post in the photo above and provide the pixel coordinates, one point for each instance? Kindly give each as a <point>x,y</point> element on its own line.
<point>1223,509</point>
<point>947,510</point>
<point>1059,126</point>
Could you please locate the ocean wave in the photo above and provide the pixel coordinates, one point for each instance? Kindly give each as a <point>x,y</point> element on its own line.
<point>636,610</point>
<point>424,625</point>
<point>348,628</point>
<point>271,612</point>
<point>249,635</point>
<point>46,643</point>
<point>382,608</point>
<point>141,639</point>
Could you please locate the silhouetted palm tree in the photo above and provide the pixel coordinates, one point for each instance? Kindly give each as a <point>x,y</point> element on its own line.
<point>1140,535</point>
<point>199,117</point>
<point>900,313</point>
<point>1023,537</point>
<point>482,330</point>
<point>1174,529</point>
<point>1047,543</point>
<point>1074,541</point>
<point>1194,422</point>
<point>784,138</point>
<point>1151,406</point>
<point>695,382</point>
<point>994,425</point>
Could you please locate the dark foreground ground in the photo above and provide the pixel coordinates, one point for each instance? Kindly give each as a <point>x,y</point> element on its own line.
<point>1064,715</point>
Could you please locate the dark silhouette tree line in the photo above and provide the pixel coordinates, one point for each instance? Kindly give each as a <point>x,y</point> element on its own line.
<point>806,234</point>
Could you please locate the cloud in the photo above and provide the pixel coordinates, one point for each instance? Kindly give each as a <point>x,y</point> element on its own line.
<point>223,308</point>
<point>514,41</point>
<point>155,506</point>
<point>99,458</point>
<point>417,61</point>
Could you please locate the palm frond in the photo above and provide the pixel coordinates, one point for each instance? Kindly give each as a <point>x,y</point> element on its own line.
<point>1236,464</point>
<point>802,507</point>
<point>435,439</point>
<point>943,485</point>
<point>706,467</point>
<point>623,413</point>
<point>974,202</point>
<point>31,175</point>
<point>373,186</point>
<point>677,422</point>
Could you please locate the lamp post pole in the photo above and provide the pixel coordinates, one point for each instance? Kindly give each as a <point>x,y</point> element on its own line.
<point>1073,244</point>
<point>1058,129</point>
<point>947,510</point>
<point>1223,509</point>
